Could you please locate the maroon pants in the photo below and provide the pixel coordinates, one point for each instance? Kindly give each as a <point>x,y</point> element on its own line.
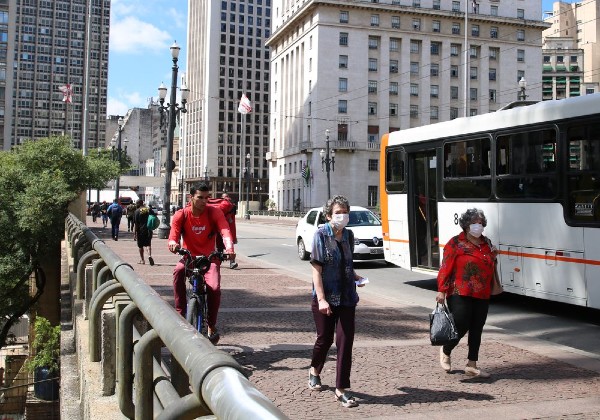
<point>340,322</point>
<point>213,291</point>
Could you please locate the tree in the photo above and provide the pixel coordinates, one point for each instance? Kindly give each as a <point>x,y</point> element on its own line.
<point>37,182</point>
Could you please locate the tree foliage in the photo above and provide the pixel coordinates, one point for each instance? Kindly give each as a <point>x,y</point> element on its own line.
<point>38,180</point>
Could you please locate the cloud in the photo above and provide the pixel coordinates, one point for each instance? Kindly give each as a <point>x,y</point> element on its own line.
<point>179,18</point>
<point>116,107</point>
<point>131,35</point>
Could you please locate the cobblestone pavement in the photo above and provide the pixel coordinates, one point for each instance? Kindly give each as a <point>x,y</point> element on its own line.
<point>266,325</point>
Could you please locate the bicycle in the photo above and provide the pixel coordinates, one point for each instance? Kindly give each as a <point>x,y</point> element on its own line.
<point>197,304</point>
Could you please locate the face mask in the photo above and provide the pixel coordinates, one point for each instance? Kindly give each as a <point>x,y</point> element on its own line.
<point>476,229</point>
<point>339,221</point>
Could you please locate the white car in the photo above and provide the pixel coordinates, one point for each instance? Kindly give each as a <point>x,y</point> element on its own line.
<point>368,236</point>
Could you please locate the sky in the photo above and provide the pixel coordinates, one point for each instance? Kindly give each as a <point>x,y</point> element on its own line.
<point>141,34</point>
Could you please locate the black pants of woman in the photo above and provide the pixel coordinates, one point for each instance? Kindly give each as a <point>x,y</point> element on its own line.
<point>340,322</point>
<point>470,315</point>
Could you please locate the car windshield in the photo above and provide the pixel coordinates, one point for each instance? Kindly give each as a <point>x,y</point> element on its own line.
<point>363,218</point>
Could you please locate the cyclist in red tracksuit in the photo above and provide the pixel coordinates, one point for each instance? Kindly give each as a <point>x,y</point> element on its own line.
<point>197,227</point>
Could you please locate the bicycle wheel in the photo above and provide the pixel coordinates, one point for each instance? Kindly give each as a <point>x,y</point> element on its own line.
<point>192,311</point>
<point>203,315</point>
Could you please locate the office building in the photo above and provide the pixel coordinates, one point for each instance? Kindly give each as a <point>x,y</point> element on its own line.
<point>358,70</point>
<point>227,57</point>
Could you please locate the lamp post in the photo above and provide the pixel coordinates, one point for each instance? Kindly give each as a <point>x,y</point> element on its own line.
<point>327,163</point>
<point>121,123</point>
<point>247,215</point>
<point>172,108</point>
<point>522,87</point>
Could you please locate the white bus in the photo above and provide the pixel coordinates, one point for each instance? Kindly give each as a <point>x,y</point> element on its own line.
<point>535,172</point>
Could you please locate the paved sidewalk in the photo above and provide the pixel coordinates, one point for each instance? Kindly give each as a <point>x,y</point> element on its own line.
<point>266,324</point>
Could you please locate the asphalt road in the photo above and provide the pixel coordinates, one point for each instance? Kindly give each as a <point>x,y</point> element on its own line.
<point>556,323</point>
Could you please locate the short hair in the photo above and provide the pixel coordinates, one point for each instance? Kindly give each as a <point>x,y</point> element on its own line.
<point>139,202</point>
<point>203,186</point>
<point>468,216</point>
<point>340,200</point>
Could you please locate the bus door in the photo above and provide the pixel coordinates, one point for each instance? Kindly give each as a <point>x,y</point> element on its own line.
<point>425,251</point>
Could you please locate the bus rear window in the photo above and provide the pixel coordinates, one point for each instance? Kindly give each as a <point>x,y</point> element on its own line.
<point>395,170</point>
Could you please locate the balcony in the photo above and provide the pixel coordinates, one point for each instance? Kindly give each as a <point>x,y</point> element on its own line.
<point>373,145</point>
<point>271,156</point>
<point>343,145</point>
<point>305,146</point>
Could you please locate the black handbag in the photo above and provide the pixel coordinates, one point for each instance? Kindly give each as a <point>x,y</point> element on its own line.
<point>442,329</point>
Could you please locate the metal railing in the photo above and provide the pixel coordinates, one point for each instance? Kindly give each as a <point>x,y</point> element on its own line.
<point>215,379</point>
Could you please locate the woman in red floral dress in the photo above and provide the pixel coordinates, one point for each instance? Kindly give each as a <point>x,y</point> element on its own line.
<point>465,282</point>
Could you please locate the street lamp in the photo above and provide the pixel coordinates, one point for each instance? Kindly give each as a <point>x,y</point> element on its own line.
<point>172,108</point>
<point>121,123</point>
<point>522,86</point>
<point>327,163</point>
<point>247,215</point>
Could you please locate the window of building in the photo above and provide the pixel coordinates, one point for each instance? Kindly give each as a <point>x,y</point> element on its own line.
<point>494,32</point>
<point>374,20</point>
<point>492,74</point>
<point>416,3</point>
<point>494,53</point>
<point>475,30</point>
<point>546,59</point>
<point>520,35</point>
<point>473,52</point>
<point>372,86</point>
<point>436,4</point>
<point>414,68</point>
<point>520,74</point>
<point>453,113</point>
<point>393,88</point>
<point>435,91</point>
<point>344,38</point>
<point>342,106</point>
<point>415,46</point>
<point>520,13</point>
<point>372,108</point>
<point>494,10</point>
<point>343,61</point>
<point>414,111</point>
<point>344,16</point>
<point>453,71</point>
<point>454,50</point>
<point>473,73</point>
<point>372,195</point>
<point>393,66</point>
<point>396,22</point>
<point>435,48</point>
<point>372,64</point>
<point>473,94</point>
<point>343,84</point>
<point>414,89</point>
<point>373,42</point>
<point>434,70</point>
<point>456,6</point>
<point>434,112</point>
<point>493,96</point>
<point>453,92</point>
<point>436,26</point>
<point>416,24</point>
<point>394,42</point>
<point>560,59</point>
<point>393,110</point>
<point>373,165</point>
<point>520,55</point>
<point>455,28</point>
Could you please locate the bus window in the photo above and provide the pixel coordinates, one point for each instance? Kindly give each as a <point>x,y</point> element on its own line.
<point>467,169</point>
<point>394,171</point>
<point>583,176</point>
<point>526,165</point>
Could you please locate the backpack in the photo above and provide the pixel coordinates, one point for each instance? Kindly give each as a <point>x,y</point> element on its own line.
<point>152,222</point>
<point>115,211</point>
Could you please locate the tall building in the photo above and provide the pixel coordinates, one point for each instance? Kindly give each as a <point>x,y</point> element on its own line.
<point>358,69</point>
<point>46,46</point>
<point>570,50</point>
<point>227,58</point>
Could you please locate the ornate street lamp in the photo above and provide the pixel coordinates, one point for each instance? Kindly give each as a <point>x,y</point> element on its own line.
<point>327,163</point>
<point>522,87</point>
<point>171,109</point>
<point>247,215</point>
<point>121,123</point>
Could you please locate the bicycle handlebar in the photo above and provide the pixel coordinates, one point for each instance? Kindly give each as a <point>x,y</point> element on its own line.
<point>215,254</point>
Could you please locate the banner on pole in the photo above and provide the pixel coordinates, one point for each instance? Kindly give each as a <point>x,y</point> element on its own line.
<point>67,92</point>
<point>306,173</point>
<point>245,106</point>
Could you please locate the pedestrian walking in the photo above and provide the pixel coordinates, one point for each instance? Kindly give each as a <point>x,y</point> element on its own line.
<point>141,233</point>
<point>104,213</point>
<point>229,210</point>
<point>465,282</point>
<point>115,213</point>
<point>196,226</point>
<point>95,211</point>
<point>130,212</point>
<point>334,297</point>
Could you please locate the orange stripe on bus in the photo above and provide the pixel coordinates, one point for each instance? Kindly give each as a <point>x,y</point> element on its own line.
<point>383,201</point>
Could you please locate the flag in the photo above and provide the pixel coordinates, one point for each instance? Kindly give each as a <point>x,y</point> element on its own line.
<point>245,106</point>
<point>306,173</point>
<point>67,92</point>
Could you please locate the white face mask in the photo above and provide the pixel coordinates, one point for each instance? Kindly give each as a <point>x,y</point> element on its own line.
<point>339,221</point>
<point>476,229</point>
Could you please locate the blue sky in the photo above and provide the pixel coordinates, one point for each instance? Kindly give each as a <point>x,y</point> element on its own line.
<point>141,33</point>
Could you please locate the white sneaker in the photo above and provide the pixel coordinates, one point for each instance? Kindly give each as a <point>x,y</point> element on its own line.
<point>445,361</point>
<point>475,372</point>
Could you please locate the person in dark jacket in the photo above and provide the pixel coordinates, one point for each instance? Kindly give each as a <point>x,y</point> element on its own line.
<point>141,233</point>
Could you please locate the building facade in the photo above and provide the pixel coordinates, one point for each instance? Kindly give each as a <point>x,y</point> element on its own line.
<point>48,45</point>
<point>349,72</point>
<point>571,50</point>
<point>227,57</point>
